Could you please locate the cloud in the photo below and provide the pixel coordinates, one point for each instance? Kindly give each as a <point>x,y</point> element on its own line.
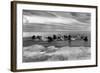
<point>55,21</point>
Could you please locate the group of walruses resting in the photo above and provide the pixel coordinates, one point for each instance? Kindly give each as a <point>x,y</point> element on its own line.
<point>60,38</point>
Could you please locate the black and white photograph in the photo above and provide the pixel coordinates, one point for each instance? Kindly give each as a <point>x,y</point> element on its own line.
<point>53,36</point>
<point>56,36</point>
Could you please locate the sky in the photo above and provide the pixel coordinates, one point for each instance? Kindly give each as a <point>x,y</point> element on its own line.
<point>38,21</point>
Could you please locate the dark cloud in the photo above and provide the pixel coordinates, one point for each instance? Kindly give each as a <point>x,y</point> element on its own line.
<point>38,13</point>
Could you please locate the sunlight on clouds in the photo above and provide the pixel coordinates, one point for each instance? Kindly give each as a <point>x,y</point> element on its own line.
<point>47,20</point>
<point>38,19</point>
<point>34,20</point>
